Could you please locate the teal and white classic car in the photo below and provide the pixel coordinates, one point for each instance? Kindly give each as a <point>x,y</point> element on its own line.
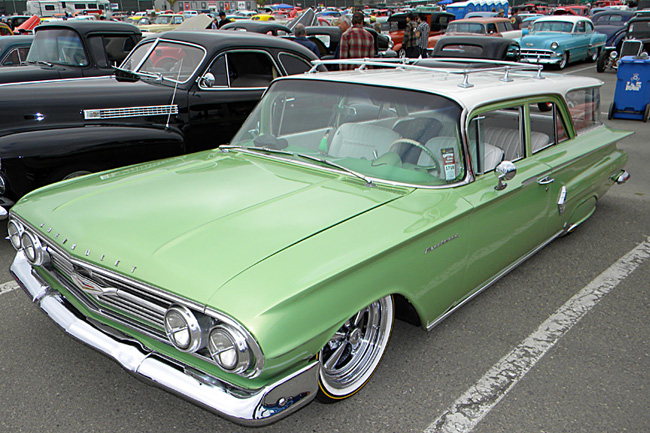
<point>560,40</point>
<point>255,277</point>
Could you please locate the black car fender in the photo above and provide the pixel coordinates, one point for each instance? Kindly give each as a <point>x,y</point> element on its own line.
<point>34,158</point>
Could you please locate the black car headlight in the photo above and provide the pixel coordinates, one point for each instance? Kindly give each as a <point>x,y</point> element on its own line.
<point>229,349</point>
<point>184,330</point>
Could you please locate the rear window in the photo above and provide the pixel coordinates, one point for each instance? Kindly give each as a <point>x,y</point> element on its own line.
<point>584,107</point>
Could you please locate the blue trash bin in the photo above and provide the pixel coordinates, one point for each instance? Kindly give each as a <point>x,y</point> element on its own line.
<point>632,95</point>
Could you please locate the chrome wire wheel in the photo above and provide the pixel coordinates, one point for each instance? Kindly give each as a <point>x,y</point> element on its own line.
<point>353,353</point>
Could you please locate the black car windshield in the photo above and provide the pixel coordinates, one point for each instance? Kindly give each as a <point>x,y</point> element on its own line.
<point>390,134</point>
<point>552,26</point>
<point>639,29</point>
<point>57,46</point>
<point>174,61</point>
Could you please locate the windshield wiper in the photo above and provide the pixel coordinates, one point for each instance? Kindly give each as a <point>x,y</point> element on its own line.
<point>366,179</point>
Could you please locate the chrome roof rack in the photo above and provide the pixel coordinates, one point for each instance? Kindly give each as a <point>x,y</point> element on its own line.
<point>410,64</point>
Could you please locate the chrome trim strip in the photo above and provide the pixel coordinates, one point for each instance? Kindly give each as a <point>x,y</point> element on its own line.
<point>115,113</point>
<point>433,324</point>
<point>247,407</point>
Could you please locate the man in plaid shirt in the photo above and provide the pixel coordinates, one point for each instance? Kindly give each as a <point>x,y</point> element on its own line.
<point>356,42</point>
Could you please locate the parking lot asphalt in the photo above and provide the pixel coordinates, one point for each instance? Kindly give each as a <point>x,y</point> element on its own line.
<point>594,378</point>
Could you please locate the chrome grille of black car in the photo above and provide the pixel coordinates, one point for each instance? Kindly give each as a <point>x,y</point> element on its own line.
<point>114,113</point>
<point>111,296</point>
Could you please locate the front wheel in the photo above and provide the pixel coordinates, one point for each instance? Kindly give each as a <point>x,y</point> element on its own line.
<point>352,355</point>
<point>564,61</point>
<point>602,62</point>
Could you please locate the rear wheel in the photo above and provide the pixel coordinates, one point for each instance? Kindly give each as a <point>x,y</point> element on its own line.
<point>352,355</point>
<point>646,113</point>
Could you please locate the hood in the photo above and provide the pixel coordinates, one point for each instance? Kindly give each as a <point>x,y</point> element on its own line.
<point>63,101</point>
<point>192,223</point>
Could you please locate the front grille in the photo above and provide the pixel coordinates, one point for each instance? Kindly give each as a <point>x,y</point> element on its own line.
<point>111,296</point>
<point>114,113</point>
<point>631,48</point>
<point>534,54</point>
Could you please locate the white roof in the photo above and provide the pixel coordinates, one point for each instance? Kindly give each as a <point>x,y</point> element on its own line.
<point>567,18</point>
<point>487,86</point>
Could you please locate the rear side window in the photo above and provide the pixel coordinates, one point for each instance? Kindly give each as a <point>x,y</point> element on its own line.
<point>584,106</point>
<point>546,126</point>
<point>293,64</point>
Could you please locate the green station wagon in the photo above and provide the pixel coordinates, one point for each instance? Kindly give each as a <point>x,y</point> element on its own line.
<point>253,278</point>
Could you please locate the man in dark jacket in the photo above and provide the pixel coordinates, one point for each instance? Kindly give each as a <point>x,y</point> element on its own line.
<point>301,38</point>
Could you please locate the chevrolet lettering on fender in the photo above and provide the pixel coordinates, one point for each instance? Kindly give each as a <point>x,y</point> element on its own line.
<point>267,273</point>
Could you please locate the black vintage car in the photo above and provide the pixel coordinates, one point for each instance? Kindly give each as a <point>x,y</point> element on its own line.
<point>178,93</point>
<point>264,27</point>
<point>477,47</point>
<point>633,40</point>
<point>70,49</point>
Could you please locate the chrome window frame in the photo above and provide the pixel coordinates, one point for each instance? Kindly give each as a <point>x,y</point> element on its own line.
<point>305,61</point>
<point>229,87</point>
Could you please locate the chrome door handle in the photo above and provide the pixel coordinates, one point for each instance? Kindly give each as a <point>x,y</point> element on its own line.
<point>545,180</point>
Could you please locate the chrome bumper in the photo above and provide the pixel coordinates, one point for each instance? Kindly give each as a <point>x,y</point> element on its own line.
<point>247,407</point>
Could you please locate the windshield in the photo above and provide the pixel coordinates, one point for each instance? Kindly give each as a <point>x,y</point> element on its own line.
<point>163,20</point>
<point>174,61</point>
<point>552,26</point>
<point>640,29</point>
<point>466,28</point>
<point>396,135</point>
<point>57,46</point>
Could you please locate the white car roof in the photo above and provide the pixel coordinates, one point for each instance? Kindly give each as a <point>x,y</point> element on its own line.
<point>487,87</point>
<point>570,18</point>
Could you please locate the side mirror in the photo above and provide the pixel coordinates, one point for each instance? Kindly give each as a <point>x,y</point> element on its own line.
<point>504,171</point>
<point>207,80</point>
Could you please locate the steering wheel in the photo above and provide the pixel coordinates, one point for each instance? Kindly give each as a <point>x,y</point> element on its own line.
<point>415,143</point>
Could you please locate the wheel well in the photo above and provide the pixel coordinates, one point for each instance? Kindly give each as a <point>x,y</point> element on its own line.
<point>405,311</point>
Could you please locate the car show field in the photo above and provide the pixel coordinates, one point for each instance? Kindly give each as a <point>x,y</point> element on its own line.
<point>599,362</point>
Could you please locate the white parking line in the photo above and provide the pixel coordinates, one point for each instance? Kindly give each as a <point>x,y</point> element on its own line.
<point>579,70</point>
<point>7,287</point>
<point>480,398</point>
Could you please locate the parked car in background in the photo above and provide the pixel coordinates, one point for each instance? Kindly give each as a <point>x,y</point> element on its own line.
<point>178,93</point>
<point>477,47</point>
<point>70,49</point>
<point>265,27</point>
<point>491,26</point>
<point>635,39</point>
<point>560,40</point>
<point>611,23</point>
<point>160,23</point>
<point>256,277</point>
<point>14,50</point>
<point>5,30</point>
<point>527,23</point>
<point>438,22</point>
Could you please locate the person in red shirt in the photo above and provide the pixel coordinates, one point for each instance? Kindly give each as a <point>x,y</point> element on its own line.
<point>356,42</point>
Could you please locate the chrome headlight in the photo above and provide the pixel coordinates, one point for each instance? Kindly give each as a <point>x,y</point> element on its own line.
<point>32,248</point>
<point>613,55</point>
<point>229,349</point>
<point>184,330</point>
<point>554,45</point>
<point>15,231</point>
